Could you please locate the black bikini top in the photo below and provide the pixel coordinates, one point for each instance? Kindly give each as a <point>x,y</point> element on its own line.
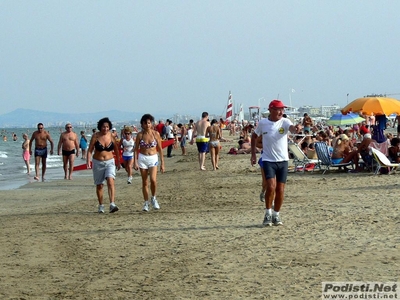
<point>99,146</point>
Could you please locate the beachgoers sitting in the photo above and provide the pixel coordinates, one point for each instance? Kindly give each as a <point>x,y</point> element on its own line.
<point>363,149</point>
<point>394,150</point>
<point>247,131</point>
<point>304,147</point>
<point>342,153</point>
<point>245,147</point>
<point>311,153</point>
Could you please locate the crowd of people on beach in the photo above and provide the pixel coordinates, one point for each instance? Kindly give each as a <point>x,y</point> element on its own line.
<point>142,150</point>
<point>133,149</point>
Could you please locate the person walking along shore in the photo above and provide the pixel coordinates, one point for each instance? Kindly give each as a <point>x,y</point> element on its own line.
<point>103,144</point>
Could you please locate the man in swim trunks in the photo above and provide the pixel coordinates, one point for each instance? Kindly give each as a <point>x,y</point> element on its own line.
<point>40,137</point>
<point>68,143</point>
<point>201,141</point>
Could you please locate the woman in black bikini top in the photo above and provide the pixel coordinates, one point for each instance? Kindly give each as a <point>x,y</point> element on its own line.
<point>99,146</point>
<point>104,146</point>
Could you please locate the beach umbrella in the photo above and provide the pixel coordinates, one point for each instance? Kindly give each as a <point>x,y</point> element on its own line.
<point>373,105</point>
<point>341,119</point>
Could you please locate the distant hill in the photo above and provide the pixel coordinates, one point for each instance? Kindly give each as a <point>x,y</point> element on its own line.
<point>27,118</point>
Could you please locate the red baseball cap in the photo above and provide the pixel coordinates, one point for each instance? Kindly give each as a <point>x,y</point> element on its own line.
<point>277,104</point>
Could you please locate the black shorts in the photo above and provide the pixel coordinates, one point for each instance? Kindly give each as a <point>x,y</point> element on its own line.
<point>68,153</point>
<point>278,170</point>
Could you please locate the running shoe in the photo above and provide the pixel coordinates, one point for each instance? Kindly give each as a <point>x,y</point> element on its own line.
<point>262,196</point>
<point>130,180</point>
<point>267,219</point>
<point>101,209</point>
<point>113,208</point>
<point>146,206</point>
<point>277,220</point>
<point>154,203</point>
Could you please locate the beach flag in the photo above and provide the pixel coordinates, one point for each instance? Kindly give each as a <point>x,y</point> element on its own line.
<point>229,109</point>
<point>241,114</point>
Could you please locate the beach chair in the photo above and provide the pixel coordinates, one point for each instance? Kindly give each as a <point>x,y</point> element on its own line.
<point>300,159</point>
<point>370,161</point>
<point>383,162</point>
<point>325,158</point>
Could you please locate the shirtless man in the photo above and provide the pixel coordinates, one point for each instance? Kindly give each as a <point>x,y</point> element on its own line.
<point>40,137</point>
<point>69,147</point>
<point>201,140</point>
<point>307,123</point>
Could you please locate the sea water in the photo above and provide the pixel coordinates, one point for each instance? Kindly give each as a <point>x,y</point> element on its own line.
<point>12,165</point>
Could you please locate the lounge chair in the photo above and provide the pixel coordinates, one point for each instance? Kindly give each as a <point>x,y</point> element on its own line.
<point>325,158</point>
<point>300,159</point>
<point>383,162</point>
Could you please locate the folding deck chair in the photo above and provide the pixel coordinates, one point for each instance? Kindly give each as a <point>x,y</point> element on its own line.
<point>383,162</point>
<point>300,159</point>
<point>325,158</point>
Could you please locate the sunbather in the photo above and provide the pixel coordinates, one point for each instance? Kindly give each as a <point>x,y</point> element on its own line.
<point>343,153</point>
<point>394,150</point>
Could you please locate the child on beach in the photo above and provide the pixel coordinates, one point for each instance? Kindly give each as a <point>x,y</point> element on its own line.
<point>25,153</point>
<point>128,144</point>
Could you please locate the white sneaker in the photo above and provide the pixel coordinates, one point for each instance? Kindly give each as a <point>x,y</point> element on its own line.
<point>146,206</point>
<point>113,208</point>
<point>101,209</point>
<point>130,180</point>
<point>154,203</point>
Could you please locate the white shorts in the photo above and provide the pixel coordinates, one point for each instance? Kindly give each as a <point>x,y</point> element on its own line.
<point>147,161</point>
<point>102,170</point>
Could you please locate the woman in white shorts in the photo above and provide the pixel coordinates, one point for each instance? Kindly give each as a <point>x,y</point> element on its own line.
<point>104,146</point>
<point>214,133</point>
<point>148,148</point>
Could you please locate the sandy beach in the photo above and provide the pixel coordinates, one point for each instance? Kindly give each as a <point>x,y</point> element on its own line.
<point>206,242</point>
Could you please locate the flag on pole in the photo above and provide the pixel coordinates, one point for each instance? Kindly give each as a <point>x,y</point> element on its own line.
<point>241,114</point>
<point>229,109</point>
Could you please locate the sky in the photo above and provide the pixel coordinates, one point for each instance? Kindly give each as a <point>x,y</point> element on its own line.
<point>184,56</point>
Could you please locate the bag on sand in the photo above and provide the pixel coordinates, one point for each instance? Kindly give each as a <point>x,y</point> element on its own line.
<point>232,151</point>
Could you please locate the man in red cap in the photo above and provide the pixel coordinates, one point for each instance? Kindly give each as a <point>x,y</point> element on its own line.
<point>275,158</point>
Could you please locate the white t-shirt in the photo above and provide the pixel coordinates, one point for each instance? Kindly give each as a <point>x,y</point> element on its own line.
<point>274,139</point>
<point>128,147</point>
<point>170,132</point>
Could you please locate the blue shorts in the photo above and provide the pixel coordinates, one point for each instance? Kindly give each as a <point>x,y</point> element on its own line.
<point>183,141</point>
<point>260,162</point>
<point>202,147</point>
<point>278,170</point>
<point>127,158</point>
<point>42,152</point>
<point>336,161</point>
